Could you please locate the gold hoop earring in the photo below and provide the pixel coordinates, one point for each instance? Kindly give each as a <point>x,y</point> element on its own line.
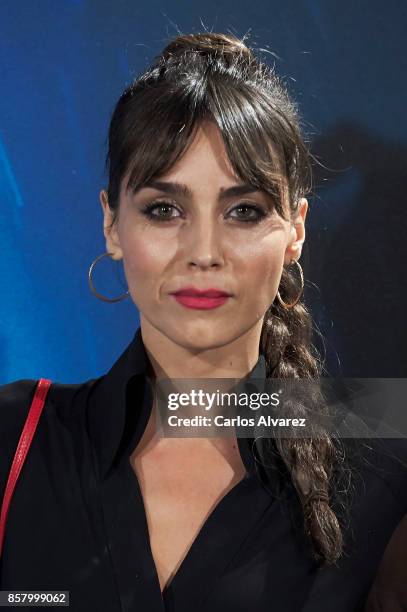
<point>92,288</point>
<point>288,306</point>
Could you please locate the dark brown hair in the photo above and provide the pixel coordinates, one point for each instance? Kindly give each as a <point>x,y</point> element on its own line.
<point>216,77</point>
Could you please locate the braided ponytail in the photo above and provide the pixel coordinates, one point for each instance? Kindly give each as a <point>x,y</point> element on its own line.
<point>286,345</point>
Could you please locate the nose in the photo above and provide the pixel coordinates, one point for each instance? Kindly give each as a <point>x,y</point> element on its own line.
<point>204,245</point>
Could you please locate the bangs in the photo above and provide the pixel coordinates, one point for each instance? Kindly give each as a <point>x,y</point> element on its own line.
<point>157,129</point>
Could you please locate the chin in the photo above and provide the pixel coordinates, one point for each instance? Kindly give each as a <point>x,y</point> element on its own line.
<point>200,335</point>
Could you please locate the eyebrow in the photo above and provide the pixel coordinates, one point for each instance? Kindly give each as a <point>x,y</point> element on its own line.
<point>180,189</point>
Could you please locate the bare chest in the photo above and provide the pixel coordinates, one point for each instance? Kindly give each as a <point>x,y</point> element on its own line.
<point>177,503</point>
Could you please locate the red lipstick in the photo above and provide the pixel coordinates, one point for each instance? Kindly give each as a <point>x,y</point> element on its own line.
<point>202,299</point>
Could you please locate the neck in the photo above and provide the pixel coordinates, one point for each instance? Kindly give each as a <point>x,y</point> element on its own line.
<point>171,359</point>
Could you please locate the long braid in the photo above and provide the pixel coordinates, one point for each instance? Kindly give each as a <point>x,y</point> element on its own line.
<point>289,353</point>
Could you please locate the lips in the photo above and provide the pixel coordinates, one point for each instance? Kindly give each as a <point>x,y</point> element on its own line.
<point>202,293</point>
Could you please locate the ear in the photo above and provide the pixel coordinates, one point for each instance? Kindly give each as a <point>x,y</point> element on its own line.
<point>110,232</point>
<point>297,233</point>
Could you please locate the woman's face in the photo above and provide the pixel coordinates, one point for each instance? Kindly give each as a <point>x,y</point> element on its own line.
<point>204,237</point>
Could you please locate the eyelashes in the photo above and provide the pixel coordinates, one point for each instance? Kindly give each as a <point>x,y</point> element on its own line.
<point>256,213</point>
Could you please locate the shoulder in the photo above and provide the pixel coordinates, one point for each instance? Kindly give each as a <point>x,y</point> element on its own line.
<point>380,519</point>
<point>374,457</point>
<point>63,400</point>
<point>64,404</point>
<point>371,504</point>
<point>379,463</point>
<point>15,399</point>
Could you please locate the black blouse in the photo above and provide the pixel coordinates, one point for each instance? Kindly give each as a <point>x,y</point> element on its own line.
<point>77,521</point>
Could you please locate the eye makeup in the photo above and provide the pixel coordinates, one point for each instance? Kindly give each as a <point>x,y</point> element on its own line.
<point>252,213</point>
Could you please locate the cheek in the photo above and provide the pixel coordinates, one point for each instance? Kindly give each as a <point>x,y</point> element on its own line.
<point>252,263</point>
<point>145,260</point>
<point>263,262</point>
<point>259,271</point>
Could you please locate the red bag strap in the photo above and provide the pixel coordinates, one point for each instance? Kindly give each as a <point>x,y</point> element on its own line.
<point>24,442</point>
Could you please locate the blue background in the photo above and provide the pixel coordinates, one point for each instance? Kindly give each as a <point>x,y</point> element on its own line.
<point>64,64</point>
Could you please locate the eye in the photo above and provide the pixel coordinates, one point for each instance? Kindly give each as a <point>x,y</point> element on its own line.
<point>162,210</point>
<point>160,205</point>
<point>256,213</point>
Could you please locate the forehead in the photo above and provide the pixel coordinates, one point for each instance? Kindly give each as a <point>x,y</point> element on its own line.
<point>204,153</point>
<point>202,167</point>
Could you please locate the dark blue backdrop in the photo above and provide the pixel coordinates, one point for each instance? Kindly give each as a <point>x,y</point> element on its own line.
<point>62,67</point>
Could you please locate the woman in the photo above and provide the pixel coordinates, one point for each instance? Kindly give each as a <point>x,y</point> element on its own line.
<point>208,173</point>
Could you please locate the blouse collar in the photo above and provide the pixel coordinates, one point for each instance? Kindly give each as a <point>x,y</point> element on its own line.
<point>119,406</point>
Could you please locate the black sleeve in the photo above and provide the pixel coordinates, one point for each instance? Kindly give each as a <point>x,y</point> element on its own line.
<point>15,401</point>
